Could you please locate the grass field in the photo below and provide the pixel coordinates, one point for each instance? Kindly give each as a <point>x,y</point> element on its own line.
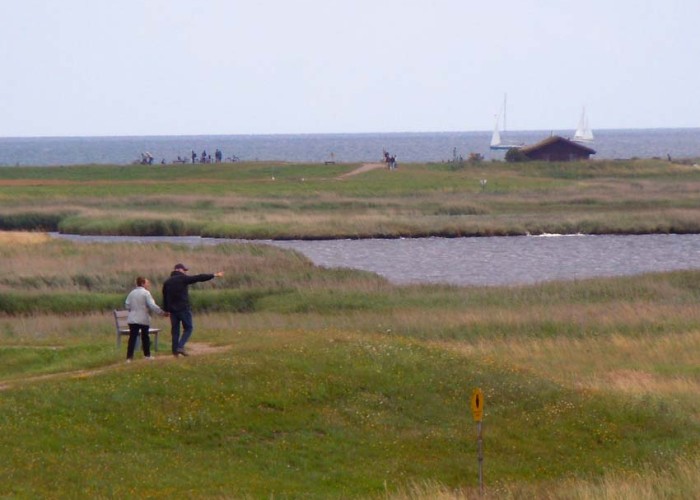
<point>277,200</point>
<point>317,383</point>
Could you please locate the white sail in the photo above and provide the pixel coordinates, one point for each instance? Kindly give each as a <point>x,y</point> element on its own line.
<point>496,136</point>
<point>583,132</point>
<point>496,141</point>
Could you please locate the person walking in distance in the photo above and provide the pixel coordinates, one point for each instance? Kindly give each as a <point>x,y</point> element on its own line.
<point>140,305</point>
<point>176,301</point>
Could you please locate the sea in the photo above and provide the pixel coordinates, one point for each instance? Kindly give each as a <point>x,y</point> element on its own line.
<point>409,147</point>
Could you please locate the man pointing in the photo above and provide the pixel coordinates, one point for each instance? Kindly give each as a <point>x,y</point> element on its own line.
<point>176,301</point>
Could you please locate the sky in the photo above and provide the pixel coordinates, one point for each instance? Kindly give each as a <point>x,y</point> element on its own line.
<point>191,67</point>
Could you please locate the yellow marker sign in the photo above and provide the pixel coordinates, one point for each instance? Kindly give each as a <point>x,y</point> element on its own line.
<point>478,405</point>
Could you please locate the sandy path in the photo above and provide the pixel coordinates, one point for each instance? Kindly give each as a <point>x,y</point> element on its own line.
<point>364,168</point>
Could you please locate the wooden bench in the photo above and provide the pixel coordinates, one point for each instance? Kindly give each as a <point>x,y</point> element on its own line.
<point>123,329</point>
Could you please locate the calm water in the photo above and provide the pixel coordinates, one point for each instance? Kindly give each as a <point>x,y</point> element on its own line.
<point>484,261</point>
<point>408,147</point>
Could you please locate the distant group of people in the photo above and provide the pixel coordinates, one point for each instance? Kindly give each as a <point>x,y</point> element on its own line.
<point>148,159</point>
<point>390,160</point>
<point>206,158</point>
<point>176,305</point>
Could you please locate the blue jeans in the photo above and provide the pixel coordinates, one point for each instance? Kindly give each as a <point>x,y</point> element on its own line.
<point>176,318</point>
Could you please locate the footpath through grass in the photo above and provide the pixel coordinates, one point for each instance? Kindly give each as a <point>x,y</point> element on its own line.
<point>326,383</point>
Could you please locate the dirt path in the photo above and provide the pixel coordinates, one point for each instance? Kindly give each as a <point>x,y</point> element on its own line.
<point>195,349</point>
<point>361,170</point>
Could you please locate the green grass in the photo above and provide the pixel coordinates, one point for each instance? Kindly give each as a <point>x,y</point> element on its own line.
<point>279,200</point>
<point>316,415</point>
<point>315,383</point>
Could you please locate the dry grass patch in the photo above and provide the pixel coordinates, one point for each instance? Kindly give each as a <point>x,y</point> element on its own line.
<point>13,238</point>
<point>113,267</point>
<point>679,481</point>
<point>53,330</point>
<point>647,365</point>
<point>639,382</point>
<point>582,318</point>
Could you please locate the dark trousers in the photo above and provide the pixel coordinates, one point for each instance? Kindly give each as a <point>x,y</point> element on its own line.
<point>178,318</point>
<point>134,330</point>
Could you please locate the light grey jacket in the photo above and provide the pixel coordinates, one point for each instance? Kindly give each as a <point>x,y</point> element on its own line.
<point>140,304</point>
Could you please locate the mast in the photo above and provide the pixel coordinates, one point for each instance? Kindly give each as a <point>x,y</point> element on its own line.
<point>496,136</point>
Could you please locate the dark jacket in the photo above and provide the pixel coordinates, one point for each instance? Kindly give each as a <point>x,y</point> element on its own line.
<point>176,297</point>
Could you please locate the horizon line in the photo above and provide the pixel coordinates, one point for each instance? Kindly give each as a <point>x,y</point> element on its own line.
<point>278,134</point>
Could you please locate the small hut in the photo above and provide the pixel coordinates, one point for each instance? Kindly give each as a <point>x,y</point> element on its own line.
<point>556,148</point>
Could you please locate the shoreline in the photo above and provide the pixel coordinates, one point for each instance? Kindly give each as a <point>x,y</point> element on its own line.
<point>410,147</point>
<point>58,234</point>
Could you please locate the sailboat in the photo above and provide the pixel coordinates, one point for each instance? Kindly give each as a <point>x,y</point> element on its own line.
<point>496,141</point>
<point>583,134</point>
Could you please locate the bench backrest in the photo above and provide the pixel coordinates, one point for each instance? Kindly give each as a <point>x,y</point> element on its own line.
<point>122,327</point>
<point>120,317</point>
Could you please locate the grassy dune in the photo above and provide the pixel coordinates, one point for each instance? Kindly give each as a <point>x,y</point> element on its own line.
<point>317,383</point>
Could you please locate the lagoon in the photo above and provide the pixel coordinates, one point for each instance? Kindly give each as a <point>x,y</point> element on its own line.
<point>488,261</point>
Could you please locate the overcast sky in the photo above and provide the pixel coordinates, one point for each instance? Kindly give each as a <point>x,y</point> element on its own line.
<point>171,67</point>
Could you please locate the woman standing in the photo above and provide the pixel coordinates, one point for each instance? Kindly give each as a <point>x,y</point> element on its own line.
<point>140,305</point>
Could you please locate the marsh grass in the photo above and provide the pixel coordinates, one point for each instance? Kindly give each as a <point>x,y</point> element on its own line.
<point>35,221</point>
<point>313,201</point>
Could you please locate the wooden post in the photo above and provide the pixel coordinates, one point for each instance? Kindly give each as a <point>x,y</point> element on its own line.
<point>478,412</point>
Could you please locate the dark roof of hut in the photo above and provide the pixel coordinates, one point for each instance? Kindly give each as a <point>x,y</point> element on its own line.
<point>553,140</point>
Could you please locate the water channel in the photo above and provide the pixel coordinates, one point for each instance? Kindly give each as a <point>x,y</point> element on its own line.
<point>490,261</point>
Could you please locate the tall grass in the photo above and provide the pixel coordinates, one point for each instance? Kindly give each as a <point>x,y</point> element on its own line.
<point>679,480</point>
<point>21,238</point>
